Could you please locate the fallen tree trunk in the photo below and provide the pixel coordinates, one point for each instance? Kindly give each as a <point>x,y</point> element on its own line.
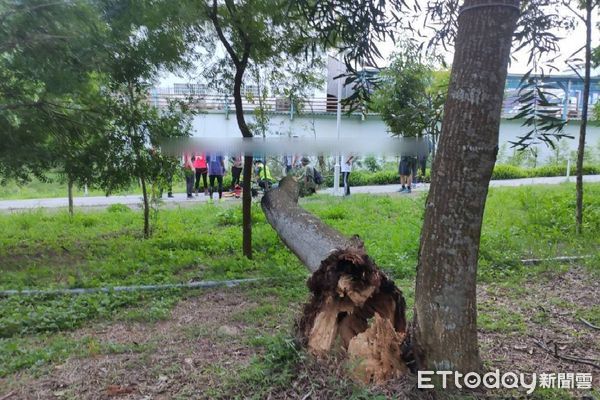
<point>353,306</point>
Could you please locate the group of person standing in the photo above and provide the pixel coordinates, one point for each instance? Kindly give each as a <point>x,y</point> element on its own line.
<point>205,172</point>
<point>210,168</point>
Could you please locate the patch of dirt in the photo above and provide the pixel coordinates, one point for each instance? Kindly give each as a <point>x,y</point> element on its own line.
<point>181,356</point>
<point>548,308</point>
<point>184,356</point>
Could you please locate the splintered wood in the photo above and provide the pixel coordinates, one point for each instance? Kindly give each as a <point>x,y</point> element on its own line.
<point>356,308</point>
<point>378,351</point>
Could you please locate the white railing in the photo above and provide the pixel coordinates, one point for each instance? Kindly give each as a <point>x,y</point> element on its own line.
<point>215,102</point>
<point>315,105</point>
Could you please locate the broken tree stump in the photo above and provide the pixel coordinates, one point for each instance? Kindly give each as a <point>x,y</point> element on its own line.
<point>353,306</point>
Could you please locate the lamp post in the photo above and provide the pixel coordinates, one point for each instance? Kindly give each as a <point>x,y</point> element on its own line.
<point>336,168</point>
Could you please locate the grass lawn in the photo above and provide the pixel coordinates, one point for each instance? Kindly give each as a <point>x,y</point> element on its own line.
<point>55,187</point>
<point>236,342</point>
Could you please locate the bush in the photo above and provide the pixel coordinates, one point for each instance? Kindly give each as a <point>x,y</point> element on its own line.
<point>501,171</point>
<point>549,170</point>
<point>371,164</point>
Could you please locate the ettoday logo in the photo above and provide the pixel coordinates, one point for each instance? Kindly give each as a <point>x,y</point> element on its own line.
<point>508,380</point>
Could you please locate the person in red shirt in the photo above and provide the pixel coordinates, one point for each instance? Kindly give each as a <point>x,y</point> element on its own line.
<point>201,171</point>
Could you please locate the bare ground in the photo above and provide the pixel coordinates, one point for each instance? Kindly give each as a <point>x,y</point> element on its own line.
<point>185,356</point>
<point>183,350</point>
<point>549,309</point>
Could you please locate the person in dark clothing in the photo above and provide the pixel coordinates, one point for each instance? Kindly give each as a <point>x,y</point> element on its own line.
<point>407,165</point>
<point>237,165</point>
<point>216,170</point>
<point>413,172</point>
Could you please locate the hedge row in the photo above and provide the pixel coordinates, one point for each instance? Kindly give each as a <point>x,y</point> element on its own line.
<point>501,171</point>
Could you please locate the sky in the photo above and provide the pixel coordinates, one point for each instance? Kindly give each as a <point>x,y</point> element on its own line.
<point>570,43</point>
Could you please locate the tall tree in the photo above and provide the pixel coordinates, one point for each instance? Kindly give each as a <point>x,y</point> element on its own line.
<point>257,41</point>
<point>445,303</point>
<point>240,56</point>
<point>401,97</point>
<point>586,18</point>
<point>410,95</point>
<point>145,38</point>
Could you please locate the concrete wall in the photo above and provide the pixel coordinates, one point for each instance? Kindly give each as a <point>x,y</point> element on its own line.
<point>217,124</point>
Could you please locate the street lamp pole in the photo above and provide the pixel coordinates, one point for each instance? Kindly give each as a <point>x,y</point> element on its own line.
<point>336,168</point>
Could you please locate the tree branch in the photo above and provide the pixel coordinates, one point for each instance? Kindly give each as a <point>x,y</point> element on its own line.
<point>234,16</point>
<point>581,17</point>
<point>215,19</point>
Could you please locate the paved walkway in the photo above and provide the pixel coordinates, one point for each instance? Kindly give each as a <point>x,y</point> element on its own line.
<point>180,198</point>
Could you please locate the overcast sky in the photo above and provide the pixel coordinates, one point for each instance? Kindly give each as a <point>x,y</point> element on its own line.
<point>569,44</point>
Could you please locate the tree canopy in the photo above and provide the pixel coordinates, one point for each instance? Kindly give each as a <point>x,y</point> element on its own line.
<point>410,95</point>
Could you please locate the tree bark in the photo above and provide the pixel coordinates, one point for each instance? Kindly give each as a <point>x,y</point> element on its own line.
<point>247,184</point>
<point>240,68</point>
<point>348,291</point>
<point>584,118</point>
<point>445,305</point>
<point>70,195</point>
<point>146,208</point>
<point>247,208</point>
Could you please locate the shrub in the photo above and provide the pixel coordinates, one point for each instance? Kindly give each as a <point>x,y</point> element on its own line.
<point>502,171</point>
<point>371,164</point>
<point>549,170</point>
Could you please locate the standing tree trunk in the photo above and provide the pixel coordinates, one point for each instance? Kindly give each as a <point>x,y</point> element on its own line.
<point>241,63</point>
<point>584,117</point>
<point>247,208</point>
<point>247,184</point>
<point>70,195</point>
<point>445,302</point>
<point>146,208</point>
